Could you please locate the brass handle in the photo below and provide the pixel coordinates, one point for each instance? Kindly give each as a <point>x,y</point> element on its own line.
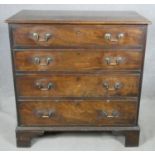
<point>108,37</point>
<point>116,86</point>
<point>113,114</point>
<point>46,113</point>
<point>42,61</point>
<point>44,85</point>
<point>35,36</point>
<point>113,61</point>
<point>46,37</point>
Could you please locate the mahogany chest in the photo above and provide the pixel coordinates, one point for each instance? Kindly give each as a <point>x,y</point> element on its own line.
<point>77,71</point>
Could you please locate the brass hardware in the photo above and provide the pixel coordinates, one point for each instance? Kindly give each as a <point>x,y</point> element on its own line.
<point>120,35</point>
<point>48,60</point>
<point>106,85</point>
<point>108,36</point>
<point>113,114</point>
<point>47,36</point>
<point>42,61</point>
<point>103,113</point>
<point>36,37</point>
<point>113,61</point>
<point>119,60</point>
<point>116,86</point>
<point>108,60</point>
<point>44,85</point>
<point>36,60</point>
<point>46,113</point>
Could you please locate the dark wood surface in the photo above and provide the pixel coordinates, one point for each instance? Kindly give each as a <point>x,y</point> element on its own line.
<point>78,128</point>
<point>71,112</point>
<point>77,36</point>
<point>68,93</point>
<point>132,138</point>
<point>25,134</point>
<point>77,60</point>
<point>78,86</point>
<point>78,17</point>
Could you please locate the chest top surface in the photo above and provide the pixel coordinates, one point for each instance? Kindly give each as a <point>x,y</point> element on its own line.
<point>78,17</point>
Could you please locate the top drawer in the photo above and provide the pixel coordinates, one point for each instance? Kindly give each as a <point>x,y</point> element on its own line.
<point>77,36</point>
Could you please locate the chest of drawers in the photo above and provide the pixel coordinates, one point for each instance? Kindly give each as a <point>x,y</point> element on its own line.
<point>77,71</point>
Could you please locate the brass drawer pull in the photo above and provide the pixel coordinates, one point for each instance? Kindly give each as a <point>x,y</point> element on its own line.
<point>44,85</point>
<point>113,114</point>
<point>42,61</point>
<point>108,37</point>
<point>113,61</point>
<point>46,37</point>
<point>116,86</point>
<point>45,113</point>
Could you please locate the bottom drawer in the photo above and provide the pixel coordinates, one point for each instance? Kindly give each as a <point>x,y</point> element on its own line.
<point>79,112</point>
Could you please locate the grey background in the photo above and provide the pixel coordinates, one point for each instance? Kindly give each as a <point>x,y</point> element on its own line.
<point>101,141</point>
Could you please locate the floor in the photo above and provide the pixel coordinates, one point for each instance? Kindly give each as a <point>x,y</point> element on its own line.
<point>82,141</point>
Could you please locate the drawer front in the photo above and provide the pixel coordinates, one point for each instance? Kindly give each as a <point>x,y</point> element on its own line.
<point>69,36</point>
<point>77,85</point>
<point>66,113</point>
<point>77,60</point>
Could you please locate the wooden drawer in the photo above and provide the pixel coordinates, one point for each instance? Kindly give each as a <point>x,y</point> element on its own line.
<point>71,112</point>
<point>82,85</point>
<point>77,60</point>
<point>69,36</point>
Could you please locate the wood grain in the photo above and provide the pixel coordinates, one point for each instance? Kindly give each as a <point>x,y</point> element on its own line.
<point>77,85</point>
<point>77,60</point>
<point>77,36</point>
<point>78,113</point>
